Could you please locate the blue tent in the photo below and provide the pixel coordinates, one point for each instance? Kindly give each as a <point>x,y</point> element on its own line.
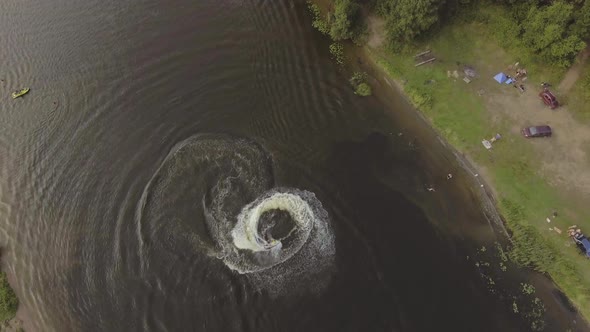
<point>500,78</point>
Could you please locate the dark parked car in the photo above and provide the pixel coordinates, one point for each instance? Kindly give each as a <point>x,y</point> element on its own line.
<point>537,131</point>
<point>548,98</point>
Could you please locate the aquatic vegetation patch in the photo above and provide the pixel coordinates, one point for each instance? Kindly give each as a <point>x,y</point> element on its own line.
<point>360,85</point>
<point>8,299</point>
<point>521,297</point>
<point>337,52</point>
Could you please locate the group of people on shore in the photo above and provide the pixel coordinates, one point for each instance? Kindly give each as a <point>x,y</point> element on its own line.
<point>579,238</point>
<point>518,78</point>
<point>576,234</point>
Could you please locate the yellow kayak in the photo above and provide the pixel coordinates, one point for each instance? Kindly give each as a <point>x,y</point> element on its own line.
<point>20,93</point>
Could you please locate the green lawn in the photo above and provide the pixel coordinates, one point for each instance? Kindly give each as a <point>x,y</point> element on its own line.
<point>578,99</point>
<point>458,113</point>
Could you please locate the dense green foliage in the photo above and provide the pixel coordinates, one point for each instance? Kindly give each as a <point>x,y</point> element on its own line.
<point>554,31</point>
<point>407,19</point>
<point>581,25</point>
<point>342,22</point>
<point>318,22</point>
<point>530,250</point>
<point>547,32</point>
<point>8,300</point>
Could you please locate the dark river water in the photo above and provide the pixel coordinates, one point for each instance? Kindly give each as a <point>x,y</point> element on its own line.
<point>204,166</point>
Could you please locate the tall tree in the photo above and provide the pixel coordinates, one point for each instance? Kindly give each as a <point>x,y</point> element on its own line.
<point>581,25</point>
<point>343,21</point>
<point>407,19</point>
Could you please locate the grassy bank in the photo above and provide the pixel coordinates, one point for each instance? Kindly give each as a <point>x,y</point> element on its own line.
<point>460,113</point>
<point>579,99</point>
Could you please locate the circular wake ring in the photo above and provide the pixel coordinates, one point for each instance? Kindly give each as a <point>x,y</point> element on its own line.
<point>217,194</point>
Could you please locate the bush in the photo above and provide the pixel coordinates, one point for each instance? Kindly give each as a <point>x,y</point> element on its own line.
<point>358,78</point>
<point>318,22</point>
<point>8,300</point>
<point>359,83</point>
<point>344,23</point>
<point>506,31</point>
<point>408,19</point>
<point>344,19</point>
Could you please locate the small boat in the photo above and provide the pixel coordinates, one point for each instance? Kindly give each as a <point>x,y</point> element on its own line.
<point>20,93</point>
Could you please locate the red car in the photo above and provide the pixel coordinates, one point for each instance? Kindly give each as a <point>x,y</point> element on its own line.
<point>548,98</point>
<point>537,131</point>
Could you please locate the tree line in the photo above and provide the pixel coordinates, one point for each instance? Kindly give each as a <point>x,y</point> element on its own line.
<point>554,30</point>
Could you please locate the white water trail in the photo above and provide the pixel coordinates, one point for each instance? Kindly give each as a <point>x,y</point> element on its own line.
<point>226,187</point>
<point>245,233</point>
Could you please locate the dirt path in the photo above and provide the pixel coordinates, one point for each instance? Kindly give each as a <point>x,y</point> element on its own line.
<point>574,72</point>
<point>376,31</point>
